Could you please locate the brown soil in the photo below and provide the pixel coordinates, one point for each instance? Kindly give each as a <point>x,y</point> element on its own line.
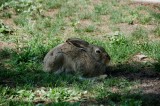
<point>6,45</point>
<point>51,13</point>
<point>9,22</point>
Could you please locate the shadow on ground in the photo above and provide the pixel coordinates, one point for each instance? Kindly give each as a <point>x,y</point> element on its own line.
<point>147,74</point>
<point>114,99</point>
<point>136,71</point>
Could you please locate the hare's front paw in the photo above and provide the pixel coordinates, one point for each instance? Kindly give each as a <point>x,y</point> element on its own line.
<point>102,76</point>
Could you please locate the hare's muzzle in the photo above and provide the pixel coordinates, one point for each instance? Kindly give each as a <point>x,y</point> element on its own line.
<point>107,58</point>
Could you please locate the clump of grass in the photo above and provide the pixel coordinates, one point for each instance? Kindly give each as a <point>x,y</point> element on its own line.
<point>151,48</point>
<point>144,19</point>
<point>123,47</point>
<point>68,9</point>
<point>90,28</point>
<point>116,16</point>
<point>5,53</point>
<point>7,15</point>
<point>140,33</point>
<point>157,31</point>
<point>156,16</point>
<point>2,2</point>
<point>65,104</point>
<point>4,29</point>
<point>21,20</point>
<point>86,15</point>
<point>54,4</point>
<point>121,85</point>
<point>102,9</point>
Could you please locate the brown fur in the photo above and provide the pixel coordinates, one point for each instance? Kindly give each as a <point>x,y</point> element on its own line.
<point>78,56</point>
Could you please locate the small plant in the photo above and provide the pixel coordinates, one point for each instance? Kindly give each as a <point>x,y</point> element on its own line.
<point>118,39</point>
<point>5,53</point>
<point>4,28</point>
<point>144,19</point>
<point>7,15</point>
<point>116,16</point>
<point>131,102</point>
<point>21,20</point>
<point>54,4</point>
<point>140,33</point>
<point>90,28</point>
<point>102,9</point>
<point>86,15</point>
<point>60,94</point>
<point>157,31</point>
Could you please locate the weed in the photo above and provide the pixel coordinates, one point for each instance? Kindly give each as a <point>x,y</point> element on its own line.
<point>5,53</point>
<point>156,16</point>
<point>3,1</point>
<point>157,31</point>
<point>50,4</point>
<point>4,28</point>
<point>90,28</point>
<point>151,48</point>
<point>102,9</point>
<point>21,20</point>
<point>86,15</point>
<point>145,19</point>
<point>7,15</point>
<point>140,33</point>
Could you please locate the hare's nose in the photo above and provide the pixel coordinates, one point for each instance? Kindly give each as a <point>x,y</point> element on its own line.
<point>107,57</point>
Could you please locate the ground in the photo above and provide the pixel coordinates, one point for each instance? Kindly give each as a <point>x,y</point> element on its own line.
<point>129,31</point>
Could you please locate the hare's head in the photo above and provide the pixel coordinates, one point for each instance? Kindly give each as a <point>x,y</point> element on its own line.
<point>98,53</point>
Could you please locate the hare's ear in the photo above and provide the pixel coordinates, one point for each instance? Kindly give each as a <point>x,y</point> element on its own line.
<point>77,42</point>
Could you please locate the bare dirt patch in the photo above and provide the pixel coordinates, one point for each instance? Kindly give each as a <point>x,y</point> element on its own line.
<point>95,2</point>
<point>51,13</point>
<point>9,22</point>
<point>150,86</point>
<point>85,23</point>
<point>127,29</point>
<point>104,25</point>
<point>7,45</point>
<point>139,57</point>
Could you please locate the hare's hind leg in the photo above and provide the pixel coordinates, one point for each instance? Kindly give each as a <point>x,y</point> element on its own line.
<point>53,62</point>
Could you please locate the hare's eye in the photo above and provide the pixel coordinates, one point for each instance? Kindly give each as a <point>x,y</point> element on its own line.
<point>98,51</point>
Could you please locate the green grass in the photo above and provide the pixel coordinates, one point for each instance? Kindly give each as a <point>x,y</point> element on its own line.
<point>22,81</point>
<point>140,33</point>
<point>157,31</point>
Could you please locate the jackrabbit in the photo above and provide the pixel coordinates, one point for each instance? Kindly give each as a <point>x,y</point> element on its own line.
<point>78,56</point>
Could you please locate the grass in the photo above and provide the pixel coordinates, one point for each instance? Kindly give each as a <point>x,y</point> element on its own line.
<point>157,31</point>
<point>37,26</point>
<point>140,33</point>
